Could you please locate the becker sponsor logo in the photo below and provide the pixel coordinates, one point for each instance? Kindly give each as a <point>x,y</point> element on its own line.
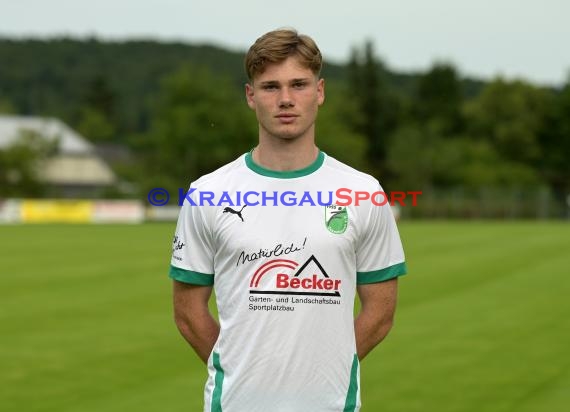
<point>287,277</point>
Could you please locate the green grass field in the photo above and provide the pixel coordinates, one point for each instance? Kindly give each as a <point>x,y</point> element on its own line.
<point>483,322</point>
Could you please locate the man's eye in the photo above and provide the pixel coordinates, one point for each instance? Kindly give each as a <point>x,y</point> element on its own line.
<point>299,85</point>
<point>269,87</point>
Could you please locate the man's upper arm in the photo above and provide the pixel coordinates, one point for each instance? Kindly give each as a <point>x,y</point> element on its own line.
<point>379,297</point>
<point>188,297</point>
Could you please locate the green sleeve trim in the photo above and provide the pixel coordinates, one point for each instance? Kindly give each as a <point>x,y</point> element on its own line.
<point>381,275</point>
<point>189,276</point>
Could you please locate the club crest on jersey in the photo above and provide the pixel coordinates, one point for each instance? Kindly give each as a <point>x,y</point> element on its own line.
<point>336,219</point>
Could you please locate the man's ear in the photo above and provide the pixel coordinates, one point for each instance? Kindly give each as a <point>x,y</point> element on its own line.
<point>321,91</point>
<point>249,96</point>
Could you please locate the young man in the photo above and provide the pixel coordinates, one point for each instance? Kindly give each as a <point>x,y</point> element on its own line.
<point>284,267</point>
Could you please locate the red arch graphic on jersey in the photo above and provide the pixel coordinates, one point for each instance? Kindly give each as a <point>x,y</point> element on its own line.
<point>272,264</point>
<point>272,267</point>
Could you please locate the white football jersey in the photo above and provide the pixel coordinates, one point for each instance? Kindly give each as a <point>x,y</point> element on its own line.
<point>284,269</point>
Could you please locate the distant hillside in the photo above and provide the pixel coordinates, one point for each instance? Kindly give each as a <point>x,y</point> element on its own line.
<point>57,76</point>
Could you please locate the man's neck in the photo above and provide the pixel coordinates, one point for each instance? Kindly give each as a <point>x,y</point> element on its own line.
<point>285,155</point>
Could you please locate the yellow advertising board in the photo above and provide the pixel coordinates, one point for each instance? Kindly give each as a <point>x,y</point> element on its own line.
<point>57,211</point>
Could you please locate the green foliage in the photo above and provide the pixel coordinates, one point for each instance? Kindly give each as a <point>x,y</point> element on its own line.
<point>6,106</point>
<point>431,129</point>
<point>422,160</point>
<point>410,159</point>
<point>509,115</point>
<point>96,117</point>
<point>57,77</point>
<point>554,139</point>
<point>100,97</point>
<point>482,166</point>
<point>493,140</point>
<point>439,98</point>
<point>378,107</point>
<point>20,165</point>
<point>199,122</point>
<point>96,125</point>
<point>334,134</point>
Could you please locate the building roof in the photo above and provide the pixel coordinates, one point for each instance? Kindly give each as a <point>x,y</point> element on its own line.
<point>75,162</point>
<point>70,142</point>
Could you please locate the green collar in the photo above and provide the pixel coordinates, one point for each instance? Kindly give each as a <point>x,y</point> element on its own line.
<point>289,174</point>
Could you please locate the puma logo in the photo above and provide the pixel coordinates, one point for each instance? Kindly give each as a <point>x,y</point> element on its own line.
<point>235,212</point>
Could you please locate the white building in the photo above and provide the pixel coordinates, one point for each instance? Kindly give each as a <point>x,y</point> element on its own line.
<point>75,170</point>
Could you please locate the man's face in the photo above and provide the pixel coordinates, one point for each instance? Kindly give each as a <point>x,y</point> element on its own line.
<point>286,98</point>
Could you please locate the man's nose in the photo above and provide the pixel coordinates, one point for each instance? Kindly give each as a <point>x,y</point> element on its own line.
<point>285,98</point>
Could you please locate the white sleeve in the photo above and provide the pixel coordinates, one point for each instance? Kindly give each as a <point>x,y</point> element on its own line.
<point>192,247</point>
<point>379,252</point>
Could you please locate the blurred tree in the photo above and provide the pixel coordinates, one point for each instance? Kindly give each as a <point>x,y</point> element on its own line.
<point>499,146</point>
<point>97,117</point>
<point>410,159</point>
<point>424,160</point>
<point>20,165</point>
<point>334,133</point>
<point>378,108</point>
<point>6,106</point>
<point>99,96</point>
<point>107,90</point>
<point>481,166</point>
<point>199,122</point>
<point>439,99</point>
<point>554,139</point>
<point>95,126</point>
<point>509,115</point>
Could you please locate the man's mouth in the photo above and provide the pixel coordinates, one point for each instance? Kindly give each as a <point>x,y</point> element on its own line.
<point>286,117</point>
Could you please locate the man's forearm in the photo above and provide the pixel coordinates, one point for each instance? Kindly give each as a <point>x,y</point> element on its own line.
<point>369,332</point>
<point>378,304</point>
<point>200,331</point>
<point>193,318</point>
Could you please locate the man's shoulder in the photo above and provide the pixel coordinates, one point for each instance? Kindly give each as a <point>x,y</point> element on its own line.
<point>220,175</point>
<point>339,168</point>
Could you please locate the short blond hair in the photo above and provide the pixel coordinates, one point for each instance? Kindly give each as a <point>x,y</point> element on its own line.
<point>276,46</point>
